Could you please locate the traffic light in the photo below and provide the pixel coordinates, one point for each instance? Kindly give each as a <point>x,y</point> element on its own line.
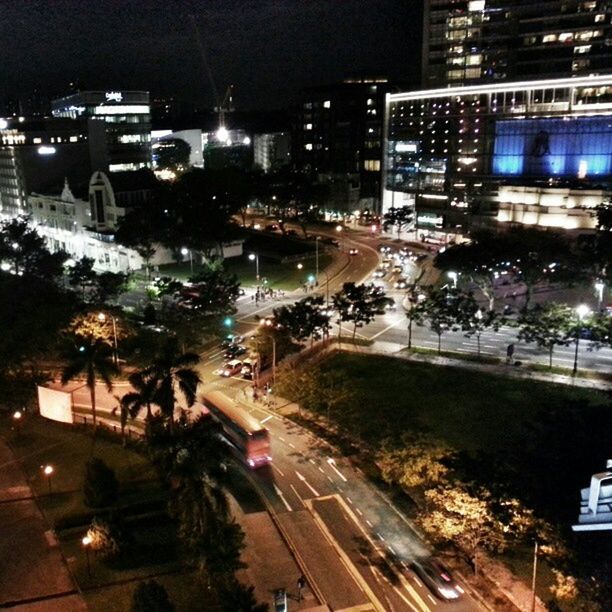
<point>227,321</point>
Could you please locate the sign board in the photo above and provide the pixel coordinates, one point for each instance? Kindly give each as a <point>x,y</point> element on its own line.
<point>113,96</point>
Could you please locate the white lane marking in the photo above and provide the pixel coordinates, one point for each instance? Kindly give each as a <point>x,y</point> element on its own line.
<point>381,537</point>
<point>277,469</point>
<point>280,494</point>
<point>281,438</point>
<point>320,469</point>
<point>297,495</point>
<point>369,524</point>
<point>266,419</point>
<point>418,581</point>
<point>313,461</point>
<point>291,445</point>
<point>386,329</point>
<point>332,465</point>
<point>391,549</point>
<point>349,500</point>
<point>433,601</point>
<point>330,479</point>
<point>303,479</point>
<point>359,512</point>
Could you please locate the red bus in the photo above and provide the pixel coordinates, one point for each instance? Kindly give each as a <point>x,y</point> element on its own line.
<point>249,439</point>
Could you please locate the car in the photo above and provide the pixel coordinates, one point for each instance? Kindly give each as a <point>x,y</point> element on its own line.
<point>400,283</point>
<point>391,306</point>
<point>231,339</point>
<point>280,600</point>
<point>292,233</point>
<point>353,251</point>
<point>438,578</point>
<point>234,350</point>
<point>248,366</point>
<point>379,273</point>
<point>231,368</point>
<point>271,227</point>
<point>383,248</point>
<point>385,264</point>
<point>398,268</point>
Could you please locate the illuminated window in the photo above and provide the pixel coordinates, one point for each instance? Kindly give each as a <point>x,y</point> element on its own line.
<point>549,38</point>
<point>582,49</point>
<point>36,140</point>
<point>308,126</point>
<point>599,18</point>
<point>327,104</point>
<point>308,146</point>
<point>566,37</point>
<point>73,138</point>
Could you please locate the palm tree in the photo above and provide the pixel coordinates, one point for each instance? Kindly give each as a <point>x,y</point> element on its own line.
<point>144,395</point>
<point>93,358</point>
<point>170,369</point>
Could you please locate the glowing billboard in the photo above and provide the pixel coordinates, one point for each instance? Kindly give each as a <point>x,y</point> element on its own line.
<point>571,146</point>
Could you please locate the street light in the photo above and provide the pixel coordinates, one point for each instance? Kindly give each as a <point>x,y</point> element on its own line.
<point>582,311</point>
<point>255,257</point>
<point>86,541</point>
<point>339,230</point>
<point>453,276</point>
<point>48,472</point>
<point>102,318</point>
<point>186,251</point>
<point>317,256</point>
<point>599,287</point>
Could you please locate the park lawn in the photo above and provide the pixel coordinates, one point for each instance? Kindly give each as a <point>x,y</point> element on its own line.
<point>538,441</point>
<point>285,276</point>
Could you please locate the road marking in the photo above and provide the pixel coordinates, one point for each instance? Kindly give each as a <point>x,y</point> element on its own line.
<point>281,439</point>
<point>280,494</point>
<point>369,524</point>
<point>349,500</point>
<point>297,495</point>
<point>266,419</point>
<point>332,464</point>
<point>359,512</point>
<point>418,581</point>
<point>386,329</point>
<point>391,549</point>
<point>330,479</point>
<point>313,461</point>
<point>378,534</point>
<point>291,445</point>
<point>277,469</point>
<point>431,598</point>
<point>314,491</point>
<point>320,469</point>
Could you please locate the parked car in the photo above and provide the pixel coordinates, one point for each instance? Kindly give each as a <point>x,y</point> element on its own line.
<point>231,368</point>
<point>353,251</point>
<point>280,600</point>
<point>438,579</point>
<point>379,273</point>
<point>248,366</point>
<point>400,283</point>
<point>234,350</point>
<point>232,339</point>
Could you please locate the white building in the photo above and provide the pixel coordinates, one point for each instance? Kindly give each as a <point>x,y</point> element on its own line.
<point>271,150</point>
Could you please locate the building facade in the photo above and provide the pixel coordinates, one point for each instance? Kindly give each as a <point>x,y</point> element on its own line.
<point>337,136</point>
<point>127,117</point>
<point>531,152</point>
<point>487,41</point>
<point>39,154</point>
<point>272,151</point>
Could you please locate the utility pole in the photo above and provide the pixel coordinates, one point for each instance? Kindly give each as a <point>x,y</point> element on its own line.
<point>533,577</point>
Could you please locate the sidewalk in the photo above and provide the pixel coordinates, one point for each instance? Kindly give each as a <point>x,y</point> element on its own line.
<point>33,573</point>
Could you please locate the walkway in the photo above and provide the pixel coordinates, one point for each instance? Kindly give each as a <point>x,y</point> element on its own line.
<point>33,573</point>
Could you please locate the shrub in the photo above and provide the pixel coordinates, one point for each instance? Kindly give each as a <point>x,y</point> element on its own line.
<point>100,488</point>
<point>151,597</point>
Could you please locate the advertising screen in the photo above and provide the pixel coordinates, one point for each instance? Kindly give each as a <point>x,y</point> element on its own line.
<point>567,147</point>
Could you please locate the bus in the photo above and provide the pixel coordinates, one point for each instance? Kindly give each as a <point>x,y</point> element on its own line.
<point>249,439</point>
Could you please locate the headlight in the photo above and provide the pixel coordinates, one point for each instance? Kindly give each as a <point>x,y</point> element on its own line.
<point>448,593</point>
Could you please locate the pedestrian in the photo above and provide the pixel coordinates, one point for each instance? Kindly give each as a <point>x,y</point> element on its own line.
<point>509,352</point>
<point>301,584</point>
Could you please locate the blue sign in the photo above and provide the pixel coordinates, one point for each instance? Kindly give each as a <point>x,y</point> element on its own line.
<point>579,147</point>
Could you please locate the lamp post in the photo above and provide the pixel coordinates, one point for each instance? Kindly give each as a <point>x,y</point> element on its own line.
<point>86,541</point>
<point>48,472</point>
<point>582,311</point>
<point>533,576</point>
<point>339,230</point>
<point>317,257</point>
<point>186,251</point>
<point>599,288</point>
<point>102,318</point>
<point>255,257</point>
<point>270,323</point>
<point>17,416</point>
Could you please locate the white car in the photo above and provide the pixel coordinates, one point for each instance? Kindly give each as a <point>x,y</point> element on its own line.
<point>401,283</point>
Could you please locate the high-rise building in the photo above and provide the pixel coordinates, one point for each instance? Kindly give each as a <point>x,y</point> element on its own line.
<point>39,154</point>
<point>272,151</point>
<point>485,41</point>
<point>337,134</point>
<point>127,115</point>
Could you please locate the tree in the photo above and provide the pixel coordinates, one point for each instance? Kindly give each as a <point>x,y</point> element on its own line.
<point>172,154</point>
<point>82,275</point>
<point>414,313</point>
<point>400,218</point>
<point>98,324</point>
<point>108,286</point>
<point>100,487</point>
<point>440,312</point>
<point>25,250</point>
<point>473,321</point>
<point>547,325</point>
<point>91,357</point>
<point>238,597</point>
<point>171,369</point>
<point>151,596</point>
<point>214,292</point>
<point>305,319</point>
<point>479,261</point>
<point>467,520</point>
<point>108,536</point>
<point>417,463</point>
<point>143,396</point>
<point>359,304</point>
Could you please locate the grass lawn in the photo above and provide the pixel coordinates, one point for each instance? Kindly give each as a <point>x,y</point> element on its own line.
<point>540,441</point>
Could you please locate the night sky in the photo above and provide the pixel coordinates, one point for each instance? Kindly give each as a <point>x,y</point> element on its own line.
<point>268,49</point>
